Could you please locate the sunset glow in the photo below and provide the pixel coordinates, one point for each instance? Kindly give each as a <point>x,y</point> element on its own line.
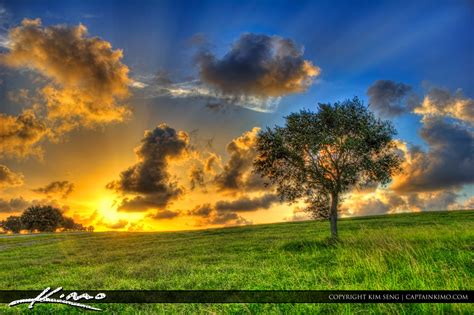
<point>151,126</point>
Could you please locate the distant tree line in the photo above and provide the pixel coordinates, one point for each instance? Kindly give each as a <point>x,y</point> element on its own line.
<point>42,219</point>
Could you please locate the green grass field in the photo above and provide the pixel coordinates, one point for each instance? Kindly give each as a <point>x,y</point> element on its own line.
<point>425,251</point>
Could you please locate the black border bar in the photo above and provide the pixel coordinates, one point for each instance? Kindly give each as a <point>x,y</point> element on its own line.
<point>255,296</point>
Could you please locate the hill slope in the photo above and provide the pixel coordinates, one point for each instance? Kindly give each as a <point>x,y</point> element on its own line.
<point>410,251</point>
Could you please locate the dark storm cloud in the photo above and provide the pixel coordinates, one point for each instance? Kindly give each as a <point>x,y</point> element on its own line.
<point>245,204</point>
<point>389,98</point>
<point>149,179</point>
<point>258,65</point>
<point>62,188</point>
<point>448,163</point>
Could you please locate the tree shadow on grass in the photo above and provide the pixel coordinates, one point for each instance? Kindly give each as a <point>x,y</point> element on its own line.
<point>307,245</point>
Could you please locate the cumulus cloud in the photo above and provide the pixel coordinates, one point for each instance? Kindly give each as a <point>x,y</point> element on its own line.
<point>203,210</point>
<point>441,200</point>
<point>467,204</point>
<point>228,218</point>
<point>448,163</point>
<point>21,135</point>
<point>255,73</point>
<point>20,204</point>
<point>163,214</point>
<point>86,80</point>
<point>208,215</point>
<point>149,179</point>
<point>371,204</point>
<point>8,178</point>
<point>60,188</point>
<point>247,204</point>
<point>258,65</point>
<point>440,102</point>
<point>384,201</point>
<point>389,98</point>
<point>237,172</point>
<point>227,212</point>
<point>13,205</point>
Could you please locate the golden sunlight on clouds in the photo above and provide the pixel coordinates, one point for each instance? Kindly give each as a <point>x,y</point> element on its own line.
<point>21,135</point>
<point>440,102</point>
<point>147,175</point>
<point>8,178</point>
<point>86,84</point>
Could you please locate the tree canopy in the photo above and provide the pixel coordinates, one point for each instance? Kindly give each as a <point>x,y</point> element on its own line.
<point>317,156</point>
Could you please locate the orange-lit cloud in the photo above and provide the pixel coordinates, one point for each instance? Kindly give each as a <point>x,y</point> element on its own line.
<point>120,224</point>
<point>58,188</point>
<point>86,83</point>
<point>390,98</point>
<point>237,175</point>
<point>8,178</point>
<point>448,163</point>
<point>21,135</point>
<point>440,102</point>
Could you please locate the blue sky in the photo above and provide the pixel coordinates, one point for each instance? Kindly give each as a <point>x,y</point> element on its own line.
<point>353,42</point>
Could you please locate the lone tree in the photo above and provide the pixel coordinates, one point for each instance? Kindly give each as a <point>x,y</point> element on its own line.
<point>317,156</point>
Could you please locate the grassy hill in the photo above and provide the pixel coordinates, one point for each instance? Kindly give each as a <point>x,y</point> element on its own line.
<point>408,251</point>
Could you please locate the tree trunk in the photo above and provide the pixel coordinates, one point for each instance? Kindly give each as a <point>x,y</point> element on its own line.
<point>333,215</point>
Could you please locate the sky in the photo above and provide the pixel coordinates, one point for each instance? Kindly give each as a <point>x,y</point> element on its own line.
<point>143,116</point>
